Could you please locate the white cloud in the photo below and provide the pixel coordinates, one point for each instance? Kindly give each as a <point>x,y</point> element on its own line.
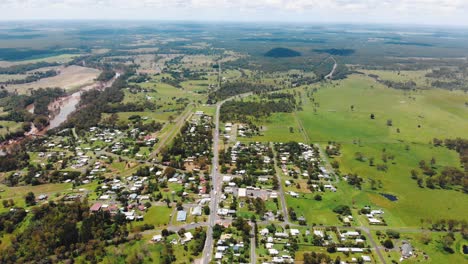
<point>418,11</point>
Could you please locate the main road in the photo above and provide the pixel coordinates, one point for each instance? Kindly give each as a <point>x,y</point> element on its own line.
<point>215,192</point>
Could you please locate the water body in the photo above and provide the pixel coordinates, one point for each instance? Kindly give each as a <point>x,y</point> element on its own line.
<point>391,197</point>
<point>64,106</point>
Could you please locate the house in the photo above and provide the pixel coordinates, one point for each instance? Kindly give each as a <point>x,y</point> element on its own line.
<point>104,197</point>
<point>188,237</point>
<point>157,238</point>
<point>319,233</point>
<point>273,252</point>
<point>281,235</point>
<point>406,250</point>
<point>218,255</point>
<point>351,234</point>
<point>130,215</point>
<point>366,258</point>
<point>264,232</point>
<point>197,211</point>
<point>96,207</point>
<point>242,192</point>
<point>223,211</point>
<point>294,194</point>
<point>294,232</point>
<point>374,221</point>
<point>181,216</point>
<point>346,249</point>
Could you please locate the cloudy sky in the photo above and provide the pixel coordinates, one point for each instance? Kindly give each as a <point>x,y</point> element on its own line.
<point>429,12</point>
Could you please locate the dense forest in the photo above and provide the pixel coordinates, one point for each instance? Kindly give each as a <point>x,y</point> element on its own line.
<point>282,53</point>
<point>241,111</point>
<point>57,232</point>
<point>230,89</point>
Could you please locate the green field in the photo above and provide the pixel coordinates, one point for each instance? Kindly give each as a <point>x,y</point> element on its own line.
<point>439,113</point>
<point>8,126</point>
<point>276,129</point>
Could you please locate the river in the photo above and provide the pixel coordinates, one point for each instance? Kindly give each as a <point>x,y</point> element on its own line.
<point>62,107</point>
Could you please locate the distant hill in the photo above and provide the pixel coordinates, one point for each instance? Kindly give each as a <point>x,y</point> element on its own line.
<point>282,53</point>
<point>336,52</point>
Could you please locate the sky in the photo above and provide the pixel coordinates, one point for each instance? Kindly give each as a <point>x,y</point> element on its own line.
<point>423,12</point>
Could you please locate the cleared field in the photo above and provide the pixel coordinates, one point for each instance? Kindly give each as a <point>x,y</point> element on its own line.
<point>70,78</point>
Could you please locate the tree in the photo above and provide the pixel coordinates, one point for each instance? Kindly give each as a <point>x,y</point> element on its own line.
<point>447,242</point>
<point>389,122</point>
<point>359,156</point>
<point>30,199</point>
<point>372,116</point>
<point>206,210</point>
<point>425,238</point>
<point>388,243</point>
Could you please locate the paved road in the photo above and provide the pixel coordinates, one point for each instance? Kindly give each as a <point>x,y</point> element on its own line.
<point>371,240</point>
<point>330,75</point>
<point>281,191</point>
<point>215,192</point>
<point>253,255</point>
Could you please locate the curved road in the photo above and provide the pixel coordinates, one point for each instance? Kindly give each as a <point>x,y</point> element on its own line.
<point>330,75</point>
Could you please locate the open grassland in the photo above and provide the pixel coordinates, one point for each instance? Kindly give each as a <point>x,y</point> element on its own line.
<point>276,129</point>
<point>414,203</point>
<point>70,78</point>
<point>439,113</point>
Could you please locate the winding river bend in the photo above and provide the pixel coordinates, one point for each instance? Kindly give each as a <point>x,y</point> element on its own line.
<point>62,107</point>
